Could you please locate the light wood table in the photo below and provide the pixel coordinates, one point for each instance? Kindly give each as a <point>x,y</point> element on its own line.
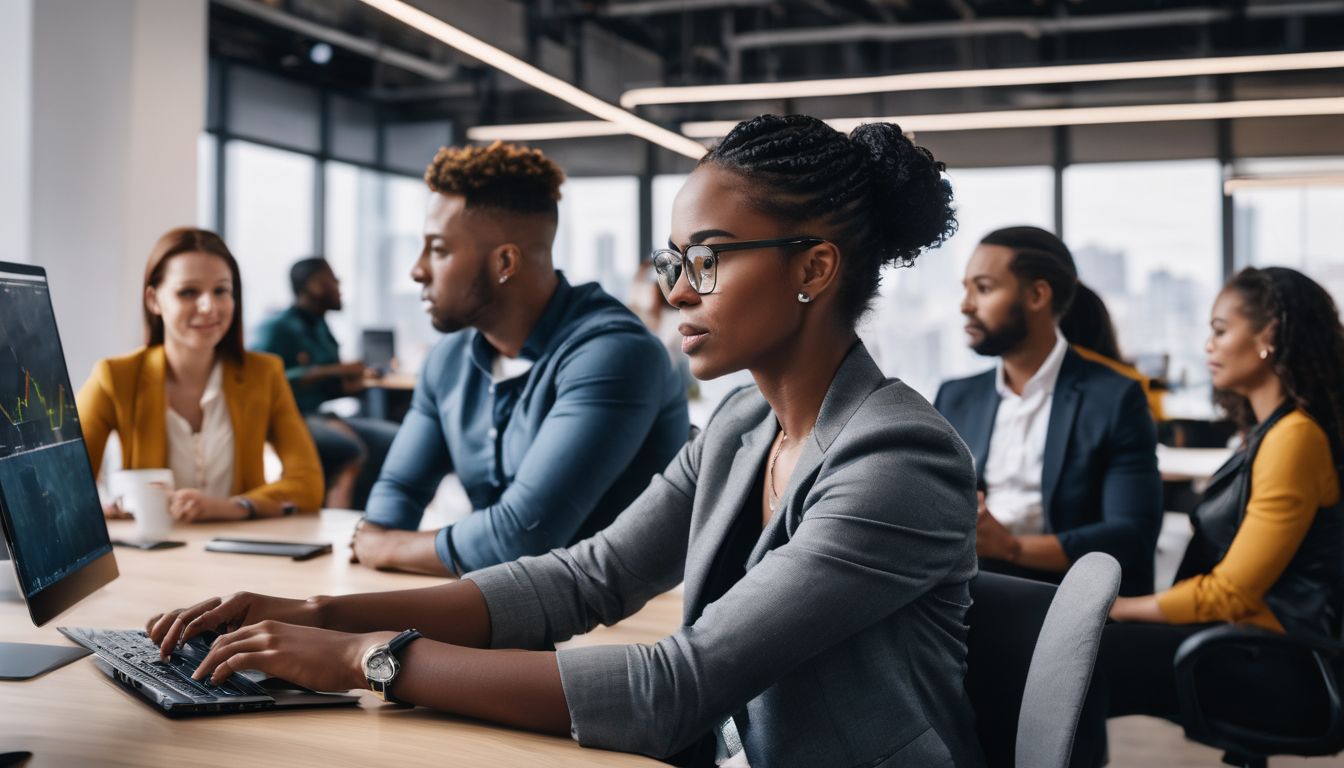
<point>77,716</point>
<point>1195,464</point>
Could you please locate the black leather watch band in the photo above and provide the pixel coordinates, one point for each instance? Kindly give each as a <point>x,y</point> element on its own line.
<point>394,648</point>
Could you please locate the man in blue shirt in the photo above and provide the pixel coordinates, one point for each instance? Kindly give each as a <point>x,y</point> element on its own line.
<point>551,402</point>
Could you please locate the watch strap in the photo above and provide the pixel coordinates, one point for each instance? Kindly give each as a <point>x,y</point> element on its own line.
<point>394,649</point>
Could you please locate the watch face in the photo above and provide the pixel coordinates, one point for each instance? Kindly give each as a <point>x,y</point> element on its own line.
<point>379,667</point>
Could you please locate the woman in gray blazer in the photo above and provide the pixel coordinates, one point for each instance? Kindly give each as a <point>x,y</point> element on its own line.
<point>822,523</point>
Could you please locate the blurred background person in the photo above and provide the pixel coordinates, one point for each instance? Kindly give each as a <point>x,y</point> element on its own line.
<point>351,449</point>
<point>1065,449</point>
<point>1268,548</point>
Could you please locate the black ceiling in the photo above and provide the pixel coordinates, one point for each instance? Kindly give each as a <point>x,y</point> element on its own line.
<point>609,45</point>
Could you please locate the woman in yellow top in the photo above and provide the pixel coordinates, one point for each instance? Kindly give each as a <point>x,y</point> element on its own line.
<point>193,401</point>
<point>1268,532</point>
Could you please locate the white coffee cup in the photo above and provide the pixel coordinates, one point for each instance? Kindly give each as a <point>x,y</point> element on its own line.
<point>144,494</point>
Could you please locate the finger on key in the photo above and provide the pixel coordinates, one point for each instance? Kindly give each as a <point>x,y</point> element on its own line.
<point>173,636</point>
<point>226,646</point>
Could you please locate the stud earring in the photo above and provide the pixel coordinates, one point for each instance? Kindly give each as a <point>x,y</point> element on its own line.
<point>1265,353</point>
<point>503,279</point>
<point>803,298</point>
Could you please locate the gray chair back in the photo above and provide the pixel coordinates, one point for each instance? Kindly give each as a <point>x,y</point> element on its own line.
<point>1061,664</point>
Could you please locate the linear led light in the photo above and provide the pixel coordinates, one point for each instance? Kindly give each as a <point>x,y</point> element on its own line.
<point>491,56</point>
<point>571,129</point>
<point>1268,182</point>
<point>984,78</point>
<point>1036,118</point>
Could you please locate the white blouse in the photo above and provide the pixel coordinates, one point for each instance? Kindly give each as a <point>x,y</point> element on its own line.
<point>203,460</point>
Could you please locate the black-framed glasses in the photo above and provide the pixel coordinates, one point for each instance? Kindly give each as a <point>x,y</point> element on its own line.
<point>701,262</point>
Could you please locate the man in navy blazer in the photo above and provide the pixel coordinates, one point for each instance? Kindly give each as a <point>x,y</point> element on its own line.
<point>1065,448</point>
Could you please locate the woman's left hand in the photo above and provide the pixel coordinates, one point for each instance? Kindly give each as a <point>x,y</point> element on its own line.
<point>192,506</point>
<point>321,659</point>
<point>1138,609</point>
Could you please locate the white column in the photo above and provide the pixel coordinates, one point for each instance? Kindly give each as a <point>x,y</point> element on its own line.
<point>16,28</point>
<point>116,102</point>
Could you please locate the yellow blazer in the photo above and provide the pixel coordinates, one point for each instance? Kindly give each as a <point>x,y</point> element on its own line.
<point>126,395</point>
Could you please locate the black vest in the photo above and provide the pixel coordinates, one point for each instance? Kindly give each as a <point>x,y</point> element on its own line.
<point>1309,595</point>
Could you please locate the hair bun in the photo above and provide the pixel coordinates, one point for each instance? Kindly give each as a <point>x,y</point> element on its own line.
<point>909,195</point>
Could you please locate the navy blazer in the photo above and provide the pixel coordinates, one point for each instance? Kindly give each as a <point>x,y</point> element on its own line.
<point>1100,487</point>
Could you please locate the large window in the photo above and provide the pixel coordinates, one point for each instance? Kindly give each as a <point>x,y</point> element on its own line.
<point>205,181</point>
<point>598,238</point>
<point>269,204</point>
<point>1146,237</point>
<point>352,223</point>
<point>915,331</point>
<point>1286,218</point>
<point>404,222</point>
<point>665,189</point>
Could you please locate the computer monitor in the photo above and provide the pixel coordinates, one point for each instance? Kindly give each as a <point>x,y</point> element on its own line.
<point>50,514</point>
<point>378,347</point>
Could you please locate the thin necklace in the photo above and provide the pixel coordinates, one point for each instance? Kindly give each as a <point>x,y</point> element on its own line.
<point>770,471</point>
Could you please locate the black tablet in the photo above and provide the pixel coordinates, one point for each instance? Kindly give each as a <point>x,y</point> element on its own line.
<point>296,549</point>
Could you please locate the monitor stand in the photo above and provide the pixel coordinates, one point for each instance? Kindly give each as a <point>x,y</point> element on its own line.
<point>24,661</point>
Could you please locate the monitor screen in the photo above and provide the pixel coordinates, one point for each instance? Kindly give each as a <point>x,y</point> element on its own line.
<point>53,520</point>
<point>379,347</point>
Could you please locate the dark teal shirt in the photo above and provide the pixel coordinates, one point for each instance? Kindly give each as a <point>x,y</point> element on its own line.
<point>302,340</point>
<point>547,458</point>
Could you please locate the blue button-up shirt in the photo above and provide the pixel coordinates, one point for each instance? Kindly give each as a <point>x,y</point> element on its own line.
<point>546,458</point>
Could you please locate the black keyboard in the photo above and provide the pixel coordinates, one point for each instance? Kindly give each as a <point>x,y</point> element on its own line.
<point>132,652</point>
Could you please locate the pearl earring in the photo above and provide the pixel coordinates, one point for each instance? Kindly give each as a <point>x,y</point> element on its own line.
<point>503,279</point>
<point>1264,354</point>
<point>803,298</point>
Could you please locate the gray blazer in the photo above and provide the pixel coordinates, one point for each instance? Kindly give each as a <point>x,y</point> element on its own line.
<point>845,642</point>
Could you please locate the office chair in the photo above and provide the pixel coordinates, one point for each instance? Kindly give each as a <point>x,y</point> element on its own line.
<point>1306,672</point>
<point>1031,649</point>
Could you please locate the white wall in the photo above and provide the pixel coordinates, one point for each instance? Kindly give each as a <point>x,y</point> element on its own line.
<point>116,93</point>
<point>16,25</point>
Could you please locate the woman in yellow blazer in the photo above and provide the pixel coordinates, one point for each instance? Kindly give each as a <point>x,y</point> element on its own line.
<point>194,401</point>
<point>1266,551</point>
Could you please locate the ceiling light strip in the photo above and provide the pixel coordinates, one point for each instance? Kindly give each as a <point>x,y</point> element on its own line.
<point>1270,182</point>
<point>984,78</point>
<point>506,62</point>
<point>572,129</point>
<point>1038,118</point>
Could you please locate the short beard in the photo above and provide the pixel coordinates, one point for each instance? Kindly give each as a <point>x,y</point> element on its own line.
<point>480,295</point>
<point>1005,339</point>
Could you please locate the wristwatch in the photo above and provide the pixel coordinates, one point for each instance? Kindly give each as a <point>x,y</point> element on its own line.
<point>381,664</point>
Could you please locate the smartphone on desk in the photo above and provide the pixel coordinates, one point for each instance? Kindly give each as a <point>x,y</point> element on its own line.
<point>297,550</point>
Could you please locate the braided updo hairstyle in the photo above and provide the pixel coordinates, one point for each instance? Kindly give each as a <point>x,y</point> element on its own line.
<point>882,197</point>
<point>1308,346</point>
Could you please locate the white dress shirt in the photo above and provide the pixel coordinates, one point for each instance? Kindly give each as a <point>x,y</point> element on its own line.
<point>203,460</point>
<point>1016,457</point>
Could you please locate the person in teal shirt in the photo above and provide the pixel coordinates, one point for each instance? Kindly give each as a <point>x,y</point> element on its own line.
<point>351,449</point>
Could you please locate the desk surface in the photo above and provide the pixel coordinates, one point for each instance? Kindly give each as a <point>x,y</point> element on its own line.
<point>1190,463</point>
<point>392,380</point>
<point>77,716</point>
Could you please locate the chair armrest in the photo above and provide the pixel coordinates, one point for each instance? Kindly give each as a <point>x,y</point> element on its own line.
<point>1325,656</point>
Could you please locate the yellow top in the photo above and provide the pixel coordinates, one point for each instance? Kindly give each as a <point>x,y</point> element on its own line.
<point>1291,479</point>
<point>1130,372</point>
<point>126,395</point>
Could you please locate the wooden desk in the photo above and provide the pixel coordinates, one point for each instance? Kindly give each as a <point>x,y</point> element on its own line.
<point>1197,464</point>
<point>395,380</point>
<point>77,716</point>
<point>388,396</point>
